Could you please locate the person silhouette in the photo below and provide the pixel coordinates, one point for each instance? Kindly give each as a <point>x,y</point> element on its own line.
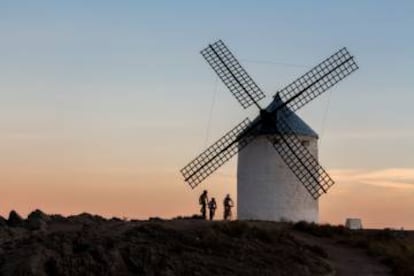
<point>212,206</point>
<point>228,204</point>
<point>203,201</point>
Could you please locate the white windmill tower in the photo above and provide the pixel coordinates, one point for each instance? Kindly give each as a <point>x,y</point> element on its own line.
<point>278,174</point>
<point>266,188</point>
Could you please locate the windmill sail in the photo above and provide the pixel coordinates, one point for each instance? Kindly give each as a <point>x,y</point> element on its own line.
<point>240,84</point>
<point>286,142</point>
<point>318,80</point>
<point>217,154</point>
<point>300,161</point>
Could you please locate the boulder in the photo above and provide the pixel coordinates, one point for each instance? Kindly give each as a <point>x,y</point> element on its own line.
<point>15,219</point>
<point>353,223</point>
<point>37,220</point>
<point>86,219</point>
<point>38,214</point>
<point>3,221</point>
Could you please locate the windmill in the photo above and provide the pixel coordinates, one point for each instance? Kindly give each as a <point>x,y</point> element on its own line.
<point>278,173</point>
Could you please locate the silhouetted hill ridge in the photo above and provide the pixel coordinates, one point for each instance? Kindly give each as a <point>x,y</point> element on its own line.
<point>88,244</point>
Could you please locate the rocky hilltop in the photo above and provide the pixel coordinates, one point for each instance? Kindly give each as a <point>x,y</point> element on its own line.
<point>87,244</point>
<point>91,245</point>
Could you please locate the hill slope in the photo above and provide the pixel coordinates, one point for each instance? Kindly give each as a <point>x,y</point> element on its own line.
<point>91,245</point>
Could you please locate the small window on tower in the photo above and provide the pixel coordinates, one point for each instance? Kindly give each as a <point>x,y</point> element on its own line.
<point>305,143</point>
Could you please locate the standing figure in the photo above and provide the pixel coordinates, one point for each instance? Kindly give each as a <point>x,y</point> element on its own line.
<point>212,206</point>
<point>228,204</point>
<point>203,201</point>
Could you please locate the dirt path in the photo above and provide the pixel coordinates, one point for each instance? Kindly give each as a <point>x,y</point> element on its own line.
<point>346,260</point>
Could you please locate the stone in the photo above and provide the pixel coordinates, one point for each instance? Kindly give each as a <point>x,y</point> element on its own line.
<point>38,214</point>
<point>15,219</point>
<point>353,223</point>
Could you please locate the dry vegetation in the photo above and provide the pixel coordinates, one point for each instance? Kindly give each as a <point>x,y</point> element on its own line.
<point>91,245</point>
<point>394,248</point>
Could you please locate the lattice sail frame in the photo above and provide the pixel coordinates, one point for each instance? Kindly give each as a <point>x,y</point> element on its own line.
<point>299,159</point>
<point>217,154</point>
<point>240,84</point>
<point>297,94</point>
<point>319,79</point>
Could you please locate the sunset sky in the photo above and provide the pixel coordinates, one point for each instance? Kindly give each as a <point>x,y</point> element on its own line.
<point>103,102</point>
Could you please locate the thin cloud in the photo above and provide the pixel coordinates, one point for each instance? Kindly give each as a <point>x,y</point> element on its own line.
<point>392,178</point>
<point>374,134</point>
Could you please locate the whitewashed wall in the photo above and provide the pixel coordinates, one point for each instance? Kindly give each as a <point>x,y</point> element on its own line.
<point>267,189</point>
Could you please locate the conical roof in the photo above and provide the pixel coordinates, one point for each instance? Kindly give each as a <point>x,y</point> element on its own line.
<point>297,125</point>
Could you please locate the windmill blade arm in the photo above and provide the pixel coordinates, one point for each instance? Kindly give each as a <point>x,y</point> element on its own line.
<point>301,162</point>
<point>217,154</point>
<point>240,84</point>
<point>318,80</point>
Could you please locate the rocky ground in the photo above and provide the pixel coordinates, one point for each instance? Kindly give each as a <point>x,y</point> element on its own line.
<point>91,245</point>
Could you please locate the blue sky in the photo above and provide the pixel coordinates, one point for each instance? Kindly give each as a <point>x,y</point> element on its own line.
<point>121,84</point>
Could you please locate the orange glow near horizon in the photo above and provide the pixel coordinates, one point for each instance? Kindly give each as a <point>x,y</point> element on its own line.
<point>378,197</point>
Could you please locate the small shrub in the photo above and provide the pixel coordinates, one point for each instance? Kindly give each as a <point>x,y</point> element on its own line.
<point>324,230</point>
<point>263,235</point>
<point>317,250</point>
<point>235,229</point>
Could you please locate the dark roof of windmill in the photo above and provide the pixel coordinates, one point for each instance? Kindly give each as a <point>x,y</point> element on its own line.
<point>298,126</point>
